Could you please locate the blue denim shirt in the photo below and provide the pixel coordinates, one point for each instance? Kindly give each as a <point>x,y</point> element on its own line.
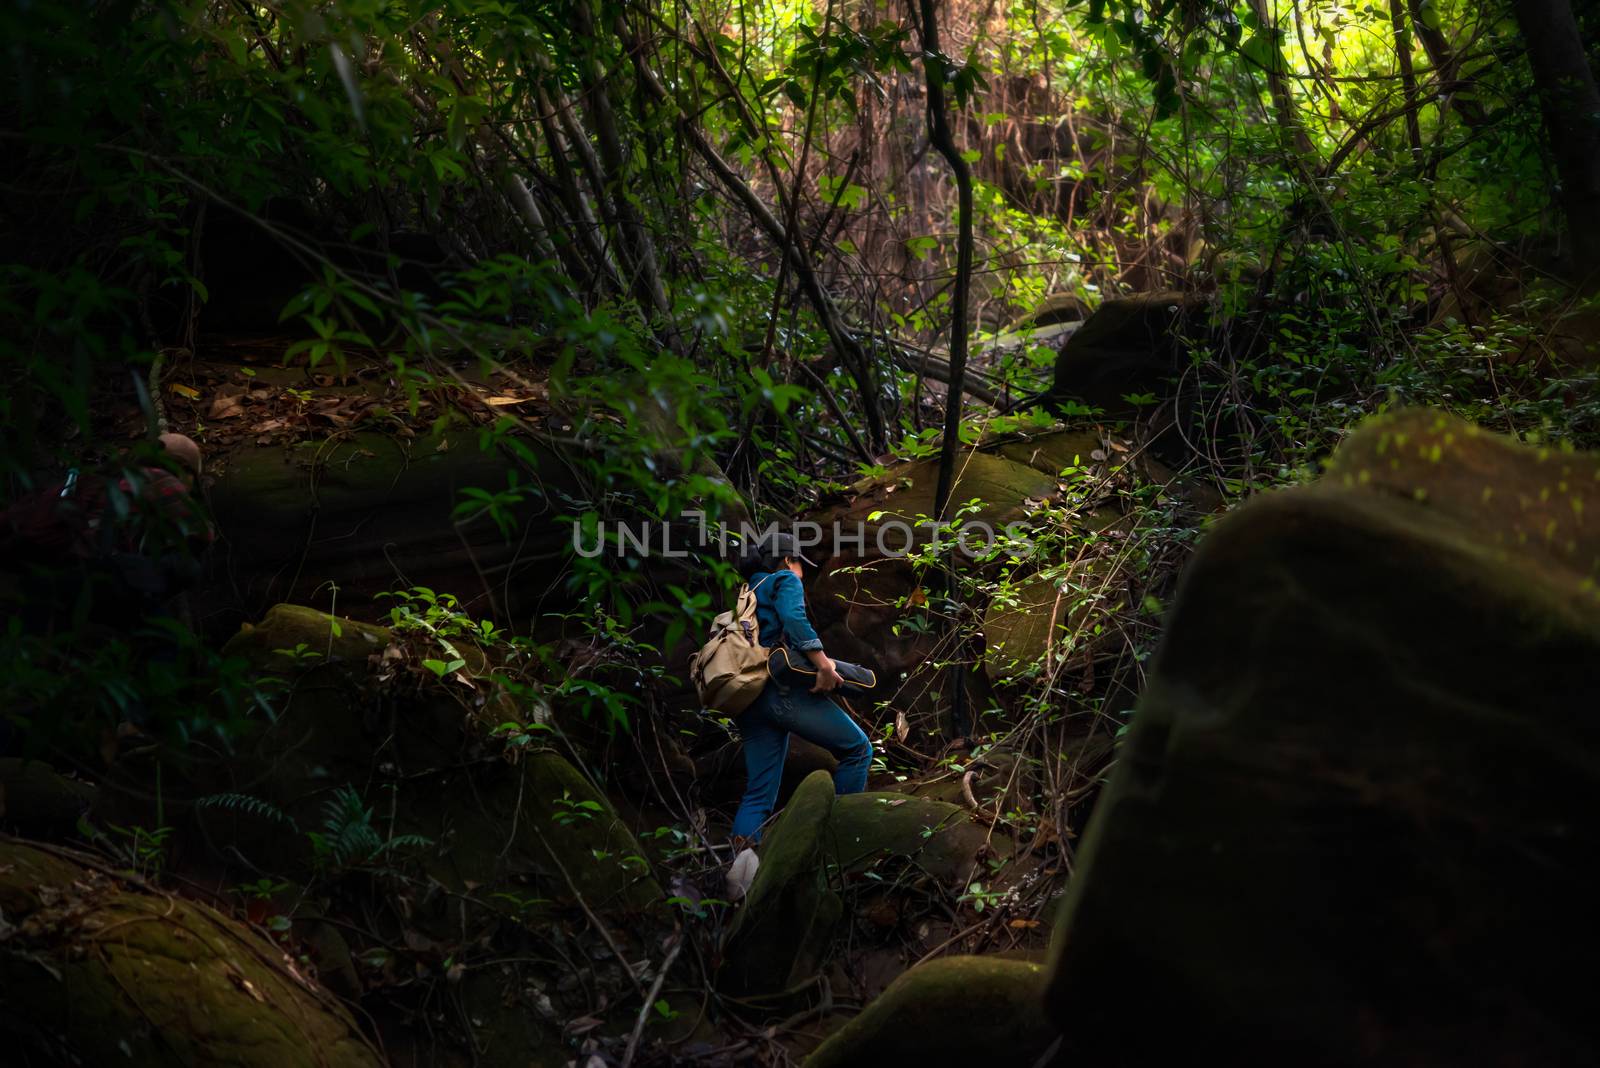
<point>781,611</point>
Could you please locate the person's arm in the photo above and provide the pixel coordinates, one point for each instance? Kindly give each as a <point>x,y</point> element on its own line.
<point>789,599</point>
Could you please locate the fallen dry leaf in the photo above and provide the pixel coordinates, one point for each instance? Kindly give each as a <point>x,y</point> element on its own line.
<point>226,406</point>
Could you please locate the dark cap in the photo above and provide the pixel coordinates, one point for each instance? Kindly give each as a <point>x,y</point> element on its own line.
<point>780,545</point>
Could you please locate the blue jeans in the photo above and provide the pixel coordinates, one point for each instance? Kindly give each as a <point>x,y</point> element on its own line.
<point>766,726</point>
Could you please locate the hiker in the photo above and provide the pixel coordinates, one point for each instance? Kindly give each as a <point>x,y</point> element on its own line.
<point>774,573</point>
<point>107,548</point>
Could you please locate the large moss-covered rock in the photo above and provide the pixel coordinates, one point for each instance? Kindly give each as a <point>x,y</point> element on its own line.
<point>955,1011</point>
<point>935,836</point>
<point>534,828</point>
<point>539,824</point>
<point>1128,346</point>
<point>1534,508</point>
<point>865,601</point>
<point>863,591</point>
<point>1042,620</point>
<point>1350,822</point>
<point>785,930</point>
<point>1054,451</point>
<point>290,635</point>
<point>374,511</point>
<point>97,970</point>
<point>905,493</point>
<point>780,936</point>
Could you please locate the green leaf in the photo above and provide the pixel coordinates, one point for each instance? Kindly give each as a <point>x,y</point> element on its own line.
<point>1262,51</point>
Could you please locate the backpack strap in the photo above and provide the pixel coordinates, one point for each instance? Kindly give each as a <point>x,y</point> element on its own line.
<point>744,624</point>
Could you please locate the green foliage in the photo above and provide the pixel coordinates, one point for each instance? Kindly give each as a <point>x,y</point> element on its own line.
<point>143,849</point>
<point>250,805</point>
<point>979,898</point>
<point>263,889</point>
<point>348,837</point>
<point>570,811</point>
<point>61,691</point>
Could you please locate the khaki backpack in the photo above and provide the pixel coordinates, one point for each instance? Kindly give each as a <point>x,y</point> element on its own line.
<point>730,670</point>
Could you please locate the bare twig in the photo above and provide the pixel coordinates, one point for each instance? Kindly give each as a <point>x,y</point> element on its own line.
<point>678,941</point>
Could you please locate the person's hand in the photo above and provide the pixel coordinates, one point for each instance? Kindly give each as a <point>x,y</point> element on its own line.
<point>827,678</point>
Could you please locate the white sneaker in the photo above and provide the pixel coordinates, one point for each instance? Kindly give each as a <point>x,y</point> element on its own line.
<point>742,874</point>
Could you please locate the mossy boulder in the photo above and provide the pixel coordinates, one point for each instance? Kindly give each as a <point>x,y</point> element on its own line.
<point>333,716</point>
<point>539,826</point>
<point>864,601</point>
<point>1043,620</point>
<point>784,931</point>
<point>373,511</point>
<point>1128,346</point>
<point>779,938</point>
<point>535,828</point>
<point>1052,452</point>
<point>994,781</point>
<point>291,635</point>
<point>906,492</point>
<point>1347,825</point>
<point>938,837</point>
<point>1534,508</point>
<point>956,1011</point>
<point>97,969</point>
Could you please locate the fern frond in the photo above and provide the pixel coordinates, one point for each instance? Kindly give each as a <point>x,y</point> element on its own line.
<point>249,804</point>
<point>407,841</point>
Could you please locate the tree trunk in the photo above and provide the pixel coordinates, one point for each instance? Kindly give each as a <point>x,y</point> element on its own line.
<point>1294,134</point>
<point>1446,65</point>
<point>1571,105</point>
<point>635,239</point>
<point>944,142</point>
<point>939,135</point>
<point>845,344</point>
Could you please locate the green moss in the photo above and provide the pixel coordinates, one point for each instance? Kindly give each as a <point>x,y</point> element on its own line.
<point>781,934</point>
<point>1346,805</point>
<point>119,976</point>
<point>1463,470</point>
<point>906,492</point>
<point>1053,452</point>
<point>535,829</point>
<point>322,637</point>
<point>956,1011</point>
<point>373,511</point>
<point>936,836</point>
<point>597,850</point>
